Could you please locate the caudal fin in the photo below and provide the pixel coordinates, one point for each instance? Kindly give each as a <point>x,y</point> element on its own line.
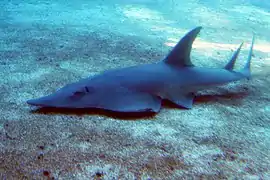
<point>180,55</point>
<point>246,70</point>
<point>230,65</point>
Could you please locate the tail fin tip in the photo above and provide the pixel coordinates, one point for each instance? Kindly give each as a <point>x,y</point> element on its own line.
<point>246,70</point>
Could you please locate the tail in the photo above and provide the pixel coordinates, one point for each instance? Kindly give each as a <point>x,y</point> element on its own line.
<point>246,70</point>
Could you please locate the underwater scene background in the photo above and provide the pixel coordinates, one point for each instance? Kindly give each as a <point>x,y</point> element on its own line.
<point>45,45</point>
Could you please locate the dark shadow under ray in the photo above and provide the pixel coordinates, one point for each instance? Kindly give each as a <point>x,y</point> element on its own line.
<point>95,111</point>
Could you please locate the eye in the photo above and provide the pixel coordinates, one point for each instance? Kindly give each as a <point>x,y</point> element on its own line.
<point>86,89</point>
<point>82,91</point>
<point>89,89</point>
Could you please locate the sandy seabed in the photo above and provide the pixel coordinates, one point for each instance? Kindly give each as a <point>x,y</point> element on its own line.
<point>47,44</point>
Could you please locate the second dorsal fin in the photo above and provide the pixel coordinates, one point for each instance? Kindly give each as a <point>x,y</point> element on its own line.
<point>180,55</point>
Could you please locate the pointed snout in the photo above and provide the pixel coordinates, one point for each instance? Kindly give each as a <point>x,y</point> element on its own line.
<point>46,101</point>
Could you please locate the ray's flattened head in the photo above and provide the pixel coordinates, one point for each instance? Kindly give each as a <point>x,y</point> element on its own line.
<point>117,99</point>
<point>66,97</point>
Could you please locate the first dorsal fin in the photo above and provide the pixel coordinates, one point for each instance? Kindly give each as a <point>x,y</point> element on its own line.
<point>180,55</point>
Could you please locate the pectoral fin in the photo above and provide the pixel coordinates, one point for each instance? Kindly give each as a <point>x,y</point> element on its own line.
<point>124,100</point>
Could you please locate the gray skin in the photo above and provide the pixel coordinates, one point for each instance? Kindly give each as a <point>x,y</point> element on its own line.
<point>142,88</point>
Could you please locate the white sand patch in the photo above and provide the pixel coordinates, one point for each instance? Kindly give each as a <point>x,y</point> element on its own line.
<point>200,44</point>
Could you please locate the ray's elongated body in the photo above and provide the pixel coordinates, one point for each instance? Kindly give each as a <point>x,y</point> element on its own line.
<point>141,88</point>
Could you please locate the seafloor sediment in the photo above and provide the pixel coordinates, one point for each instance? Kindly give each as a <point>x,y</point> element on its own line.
<point>47,44</point>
